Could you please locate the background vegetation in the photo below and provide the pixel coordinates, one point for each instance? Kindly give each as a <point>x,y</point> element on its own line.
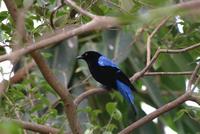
<point>43,95</point>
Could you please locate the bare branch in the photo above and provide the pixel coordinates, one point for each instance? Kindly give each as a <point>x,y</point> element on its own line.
<point>70,108</point>
<point>12,8</point>
<point>193,78</point>
<point>87,93</point>
<point>158,52</point>
<point>180,50</point>
<point>79,9</point>
<point>144,71</point>
<point>96,24</point>
<point>18,76</point>
<point>21,73</point>
<point>167,107</point>
<point>150,37</point>
<point>59,5</point>
<point>36,127</point>
<point>167,73</point>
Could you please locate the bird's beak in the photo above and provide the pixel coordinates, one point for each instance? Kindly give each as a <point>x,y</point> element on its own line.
<point>79,57</point>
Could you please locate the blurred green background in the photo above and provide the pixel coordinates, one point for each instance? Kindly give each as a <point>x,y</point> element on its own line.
<point>35,101</point>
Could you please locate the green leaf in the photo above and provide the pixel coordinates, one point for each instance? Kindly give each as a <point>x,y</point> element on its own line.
<point>111,107</point>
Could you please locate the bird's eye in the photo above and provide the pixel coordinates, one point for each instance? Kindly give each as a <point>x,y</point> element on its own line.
<point>86,54</point>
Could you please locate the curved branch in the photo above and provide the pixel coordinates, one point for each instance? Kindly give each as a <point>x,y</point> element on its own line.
<point>150,37</point>
<point>37,127</point>
<point>87,93</point>
<point>154,58</point>
<point>79,9</point>
<point>66,97</point>
<point>97,23</point>
<point>167,107</point>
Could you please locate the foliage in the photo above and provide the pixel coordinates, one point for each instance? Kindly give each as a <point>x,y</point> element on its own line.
<point>34,100</point>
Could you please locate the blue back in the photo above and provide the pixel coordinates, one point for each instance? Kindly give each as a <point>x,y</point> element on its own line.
<point>104,61</point>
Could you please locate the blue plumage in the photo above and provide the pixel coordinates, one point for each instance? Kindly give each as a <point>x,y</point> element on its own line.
<point>107,73</point>
<point>104,61</point>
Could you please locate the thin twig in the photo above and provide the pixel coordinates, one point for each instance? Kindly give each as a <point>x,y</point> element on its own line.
<point>168,73</point>
<point>150,37</point>
<point>157,53</point>
<point>79,9</point>
<point>193,78</point>
<point>53,13</point>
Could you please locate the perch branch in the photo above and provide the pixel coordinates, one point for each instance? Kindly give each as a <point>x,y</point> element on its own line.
<point>84,95</point>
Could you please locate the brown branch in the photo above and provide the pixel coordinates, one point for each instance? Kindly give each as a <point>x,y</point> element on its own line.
<point>37,127</point>
<point>150,37</point>
<point>87,93</point>
<point>18,76</point>
<point>70,108</point>
<point>167,107</point>
<point>59,5</point>
<point>193,78</point>
<point>97,23</point>
<point>181,49</point>
<point>167,73</point>
<point>79,9</point>
<point>12,8</point>
<point>22,72</point>
<point>144,72</point>
<point>158,52</point>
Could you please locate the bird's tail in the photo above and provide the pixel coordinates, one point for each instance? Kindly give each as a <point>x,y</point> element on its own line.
<point>130,99</point>
<point>127,94</point>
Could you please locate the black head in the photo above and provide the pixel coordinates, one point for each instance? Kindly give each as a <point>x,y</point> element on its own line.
<point>89,56</point>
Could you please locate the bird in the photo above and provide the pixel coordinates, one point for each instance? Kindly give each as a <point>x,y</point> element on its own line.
<point>106,72</point>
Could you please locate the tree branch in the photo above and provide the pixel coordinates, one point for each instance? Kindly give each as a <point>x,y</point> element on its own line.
<point>97,23</point>
<point>150,37</point>
<point>22,72</point>
<point>70,108</point>
<point>18,76</point>
<point>84,95</point>
<point>167,107</point>
<point>167,73</point>
<point>79,9</point>
<point>157,53</point>
<point>37,127</point>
